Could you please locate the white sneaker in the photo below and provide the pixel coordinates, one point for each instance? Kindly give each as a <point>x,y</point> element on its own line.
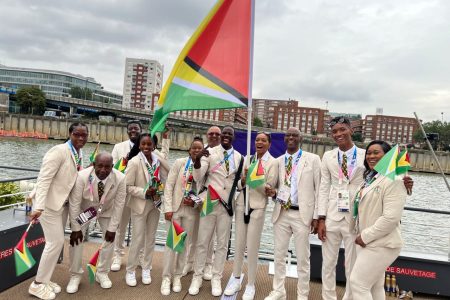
<point>176,285</point>
<point>216,287</point>
<point>55,287</point>
<point>207,273</point>
<point>146,277</point>
<point>42,291</point>
<point>130,279</point>
<point>116,263</point>
<point>74,282</point>
<point>196,284</point>
<point>188,268</point>
<point>275,295</point>
<point>233,287</point>
<point>165,286</point>
<point>249,293</point>
<point>104,280</point>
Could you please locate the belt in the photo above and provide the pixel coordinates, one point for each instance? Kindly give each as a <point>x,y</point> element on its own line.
<point>293,207</point>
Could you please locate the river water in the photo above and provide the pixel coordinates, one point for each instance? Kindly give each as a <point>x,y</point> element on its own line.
<point>422,232</point>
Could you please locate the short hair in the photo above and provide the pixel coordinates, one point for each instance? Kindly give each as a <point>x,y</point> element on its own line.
<point>267,134</point>
<point>196,139</point>
<point>134,122</point>
<point>228,126</point>
<point>340,120</point>
<point>76,124</point>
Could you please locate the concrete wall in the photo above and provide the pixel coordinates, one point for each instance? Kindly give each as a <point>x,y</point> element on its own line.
<point>421,160</point>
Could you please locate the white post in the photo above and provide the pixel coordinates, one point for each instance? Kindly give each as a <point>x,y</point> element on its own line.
<point>250,97</point>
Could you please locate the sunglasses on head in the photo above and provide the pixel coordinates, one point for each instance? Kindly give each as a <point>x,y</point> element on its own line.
<point>341,120</point>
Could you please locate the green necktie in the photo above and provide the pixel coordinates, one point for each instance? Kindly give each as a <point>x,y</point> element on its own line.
<point>101,190</point>
<point>227,163</point>
<point>344,165</point>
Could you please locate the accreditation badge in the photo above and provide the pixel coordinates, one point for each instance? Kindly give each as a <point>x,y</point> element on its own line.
<point>343,201</point>
<point>283,194</point>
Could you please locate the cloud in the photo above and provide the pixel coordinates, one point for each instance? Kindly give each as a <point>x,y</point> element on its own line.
<point>355,55</point>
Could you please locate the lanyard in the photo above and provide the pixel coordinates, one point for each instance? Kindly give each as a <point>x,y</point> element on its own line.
<point>216,167</point>
<point>150,169</point>
<point>78,158</point>
<point>359,194</point>
<point>187,176</point>
<point>350,167</point>
<point>287,178</point>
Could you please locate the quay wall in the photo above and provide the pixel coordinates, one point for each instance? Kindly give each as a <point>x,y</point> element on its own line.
<point>112,133</point>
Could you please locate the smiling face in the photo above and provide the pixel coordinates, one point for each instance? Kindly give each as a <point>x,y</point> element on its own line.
<point>262,144</point>
<point>342,135</point>
<point>133,130</point>
<point>227,137</point>
<point>292,140</point>
<point>373,155</point>
<point>146,146</point>
<point>79,137</point>
<point>196,148</point>
<point>103,165</point>
<point>213,136</point>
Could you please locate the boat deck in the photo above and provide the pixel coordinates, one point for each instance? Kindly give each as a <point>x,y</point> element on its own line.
<point>121,291</point>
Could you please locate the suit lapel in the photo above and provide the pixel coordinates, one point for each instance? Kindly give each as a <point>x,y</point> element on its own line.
<point>144,168</point>
<point>72,158</point>
<point>109,185</point>
<point>360,156</point>
<point>372,186</point>
<point>302,163</point>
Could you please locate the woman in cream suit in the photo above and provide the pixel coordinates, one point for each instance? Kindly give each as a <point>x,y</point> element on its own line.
<point>56,179</point>
<point>179,207</point>
<point>248,234</point>
<point>378,208</point>
<point>145,174</point>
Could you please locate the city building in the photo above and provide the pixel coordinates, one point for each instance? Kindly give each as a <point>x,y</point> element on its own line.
<point>308,119</point>
<point>392,129</point>
<point>264,109</point>
<point>56,83</point>
<point>351,117</point>
<point>142,79</point>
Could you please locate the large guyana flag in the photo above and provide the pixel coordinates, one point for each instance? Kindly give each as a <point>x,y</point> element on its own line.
<point>213,69</point>
<point>22,255</point>
<point>176,237</point>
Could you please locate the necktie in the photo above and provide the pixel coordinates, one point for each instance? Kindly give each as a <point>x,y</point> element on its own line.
<point>288,181</point>
<point>227,163</point>
<point>101,190</point>
<point>344,165</point>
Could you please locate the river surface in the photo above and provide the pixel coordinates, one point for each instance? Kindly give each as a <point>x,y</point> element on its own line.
<point>422,232</point>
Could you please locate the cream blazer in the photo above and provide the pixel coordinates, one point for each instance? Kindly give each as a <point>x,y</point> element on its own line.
<point>308,183</point>
<point>174,189</point>
<point>220,180</point>
<point>258,198</point>
<point>137,177</point>
<point>56,178</point>
<point>380,211</point>
<point>121,149</point>
<point>82,198</point>
<point>329,184</point>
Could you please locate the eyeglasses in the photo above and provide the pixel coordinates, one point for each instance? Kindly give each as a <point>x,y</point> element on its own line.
<point>214,133</point>
<point>341,120</point>
<point>80,135</point>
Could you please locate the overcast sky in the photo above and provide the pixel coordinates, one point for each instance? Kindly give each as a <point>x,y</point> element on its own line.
<point>357,55</point>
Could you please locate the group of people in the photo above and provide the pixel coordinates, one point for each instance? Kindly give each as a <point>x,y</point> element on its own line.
<point>340,198</point>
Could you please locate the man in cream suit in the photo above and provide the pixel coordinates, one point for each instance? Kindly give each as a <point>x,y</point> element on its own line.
<point>342,174</point>
<point>295,209</point>
<point>104,189</point>
<point>121,150</point>
<point>220,164</point>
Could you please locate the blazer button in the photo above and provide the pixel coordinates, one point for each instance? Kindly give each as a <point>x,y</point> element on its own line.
<point>224,188</point>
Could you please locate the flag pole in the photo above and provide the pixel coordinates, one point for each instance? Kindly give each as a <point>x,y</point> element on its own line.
<point>250,96</point>
<point>432,151</point>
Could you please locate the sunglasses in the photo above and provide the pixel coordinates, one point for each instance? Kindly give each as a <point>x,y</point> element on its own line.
<point>341,120</point>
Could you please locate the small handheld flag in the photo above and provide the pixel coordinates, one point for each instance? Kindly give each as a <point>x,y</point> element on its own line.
<point>176,237</point>
<point>121,165</point>
<point>92,266</point>
<point>22,255</point>
<point>94,154</point>
<point>388,163</point>
<point>255,175</point>
<point>403,163</point>
<point>212,198</point>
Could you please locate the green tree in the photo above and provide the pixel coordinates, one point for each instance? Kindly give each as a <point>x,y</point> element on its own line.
<point>257,122</point>
<point>31,100</point>
<point>357,137</point>
<point>8,188</point>
<point>81,93</point>
<point>441,128</point>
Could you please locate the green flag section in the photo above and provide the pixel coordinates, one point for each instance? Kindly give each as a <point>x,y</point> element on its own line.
<point>255,174</point>
<point>176,237</point>
<point>92,266</point>
<point>388,163</point>
<point>403,163</point>
<point>121,165</point>
<point>213,69</point>
<point>94,154</point>
<point>22,256</point>
<point>212,198</point>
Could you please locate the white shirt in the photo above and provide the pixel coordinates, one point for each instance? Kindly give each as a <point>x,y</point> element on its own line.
<point>294,192</point>
<point>349,153</point>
